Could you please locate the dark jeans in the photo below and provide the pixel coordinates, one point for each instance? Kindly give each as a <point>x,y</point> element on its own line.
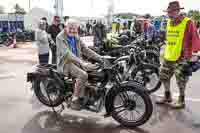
<point>54,56</point>
<point>53,51</point>
<point>44,58</point>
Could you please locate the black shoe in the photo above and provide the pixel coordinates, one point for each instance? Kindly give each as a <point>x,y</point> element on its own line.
<point>167,99</point>
<point>76,105</point>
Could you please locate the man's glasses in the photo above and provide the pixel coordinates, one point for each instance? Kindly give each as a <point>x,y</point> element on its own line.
<point>57,20</point>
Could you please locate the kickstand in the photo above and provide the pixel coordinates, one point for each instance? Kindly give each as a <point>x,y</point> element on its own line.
<point>62,108</point>
<point>56,112</point>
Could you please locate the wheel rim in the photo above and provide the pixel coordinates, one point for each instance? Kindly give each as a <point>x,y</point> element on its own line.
<point>129,106</point>
<point>46,86</point>
<point>151,79</point>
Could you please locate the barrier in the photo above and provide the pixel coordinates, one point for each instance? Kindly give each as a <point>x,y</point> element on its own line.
<point>88,40</point>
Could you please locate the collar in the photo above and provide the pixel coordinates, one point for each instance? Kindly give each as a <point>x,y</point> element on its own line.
<point>70,38</point>
<point>177,21</point>
<point>62,35</point>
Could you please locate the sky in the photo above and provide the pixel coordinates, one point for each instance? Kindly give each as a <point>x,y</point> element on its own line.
<point>99,7</point>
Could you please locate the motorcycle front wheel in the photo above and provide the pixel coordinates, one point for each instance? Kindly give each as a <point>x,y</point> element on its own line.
<point>131,106</point>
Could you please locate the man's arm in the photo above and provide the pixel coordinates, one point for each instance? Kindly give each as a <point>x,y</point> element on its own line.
<point>191,40</point>
<point>90,54</point>
<point>65,53</point>
<point>104,31</point>
<point>194,37</point>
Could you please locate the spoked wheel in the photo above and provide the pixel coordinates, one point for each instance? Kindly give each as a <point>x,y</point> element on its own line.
<point>153,57</point>
<point>132,107</point>
<point>47,92</point>
<point>149,77</point>
<point>151,80</point>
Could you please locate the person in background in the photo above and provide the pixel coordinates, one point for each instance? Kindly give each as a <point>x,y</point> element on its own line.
<point>182,39</point>
<point>88,26</point>
<point>54,30</point>
<point>157,24</point>
<point>99,32</point>
<point>47,25</point>
<point>118,26</point>
<point>125,31</point>
<point>132,25</point>
<point>150,32</point>
<point>138,26</point>
<point>66,18</point>
<point>94,22</point>
<point>41,38</point>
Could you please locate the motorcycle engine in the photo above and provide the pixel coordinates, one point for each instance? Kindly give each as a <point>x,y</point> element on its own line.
<point>94,91</point>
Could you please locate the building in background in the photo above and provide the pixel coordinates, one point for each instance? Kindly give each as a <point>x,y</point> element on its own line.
<point>59,8</point>
<point>11,22</point>
<point>34,15</point>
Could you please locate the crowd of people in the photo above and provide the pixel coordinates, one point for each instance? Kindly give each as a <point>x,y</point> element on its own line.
<point>180,32</point>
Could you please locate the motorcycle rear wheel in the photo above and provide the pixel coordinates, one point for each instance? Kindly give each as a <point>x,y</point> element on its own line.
<point>50,88</point>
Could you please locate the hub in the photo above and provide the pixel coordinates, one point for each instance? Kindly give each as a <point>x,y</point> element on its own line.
<point>130,105</point>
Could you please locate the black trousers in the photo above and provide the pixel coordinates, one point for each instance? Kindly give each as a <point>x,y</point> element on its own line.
<point>44,58</point>
<point>54,58</point>
<point>53,51</point>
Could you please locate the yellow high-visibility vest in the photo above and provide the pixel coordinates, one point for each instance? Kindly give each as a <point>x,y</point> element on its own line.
<point>175,36</point>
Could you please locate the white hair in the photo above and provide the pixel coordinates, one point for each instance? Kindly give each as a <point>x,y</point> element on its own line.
<point>72,22</point>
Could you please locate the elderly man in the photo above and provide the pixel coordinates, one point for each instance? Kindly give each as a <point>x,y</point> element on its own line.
<point>70,50</point>
<point>180,36</point>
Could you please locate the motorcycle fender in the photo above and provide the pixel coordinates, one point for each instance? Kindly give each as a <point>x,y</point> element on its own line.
<point>153,66</point>
<point>112,92</point>
<point>32,76</point>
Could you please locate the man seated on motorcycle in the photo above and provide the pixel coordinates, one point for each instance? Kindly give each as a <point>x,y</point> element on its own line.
<point>70,50</point>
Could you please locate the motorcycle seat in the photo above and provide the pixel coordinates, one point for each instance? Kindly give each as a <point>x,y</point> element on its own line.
<point>54,66</point>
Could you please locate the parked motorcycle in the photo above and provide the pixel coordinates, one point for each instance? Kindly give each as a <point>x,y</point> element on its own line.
<point>135,67</point>
<point>139,59</point>
<point>127,102</point>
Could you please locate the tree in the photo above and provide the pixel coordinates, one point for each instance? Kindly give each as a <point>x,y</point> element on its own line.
<point>18,9</point>
<point>2,9</point>
<point>194,14</point>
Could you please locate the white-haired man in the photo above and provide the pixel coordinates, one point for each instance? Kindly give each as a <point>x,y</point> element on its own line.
<point>70,50</point>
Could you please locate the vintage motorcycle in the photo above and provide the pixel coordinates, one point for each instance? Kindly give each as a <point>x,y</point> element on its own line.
<point>127,102</point>
<point>135,67</point>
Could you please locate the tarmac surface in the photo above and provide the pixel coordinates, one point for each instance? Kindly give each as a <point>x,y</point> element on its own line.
<point>21,112</point>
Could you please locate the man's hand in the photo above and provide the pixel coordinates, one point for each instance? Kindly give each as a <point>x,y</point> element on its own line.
<point>88,66</point>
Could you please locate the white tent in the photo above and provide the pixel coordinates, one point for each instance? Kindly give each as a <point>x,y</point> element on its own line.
<point>31,19</point>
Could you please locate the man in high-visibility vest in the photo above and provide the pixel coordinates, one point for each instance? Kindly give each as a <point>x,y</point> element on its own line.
<point>180,35</point>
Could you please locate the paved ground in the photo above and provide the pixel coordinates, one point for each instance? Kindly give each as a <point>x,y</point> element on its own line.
<point>20,113</point>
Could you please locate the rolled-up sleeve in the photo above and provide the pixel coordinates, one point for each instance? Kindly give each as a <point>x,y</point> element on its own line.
<point>90,54</point>
<point>191,42</point>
